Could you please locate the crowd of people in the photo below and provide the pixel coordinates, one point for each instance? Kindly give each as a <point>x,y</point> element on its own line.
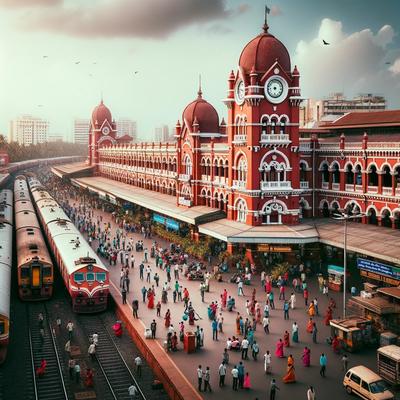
<point>163,285</point>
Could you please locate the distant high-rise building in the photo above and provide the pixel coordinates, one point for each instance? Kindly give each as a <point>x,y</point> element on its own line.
<point>126,126</point>
<point>336,105</point>
<point>28,130</point>
<point>81,131</point>
<point>161,133</point>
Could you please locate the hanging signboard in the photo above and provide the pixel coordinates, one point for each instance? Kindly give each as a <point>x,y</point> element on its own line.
<point>378,268</point>
<point>159,219</point>
<point>172,224</point>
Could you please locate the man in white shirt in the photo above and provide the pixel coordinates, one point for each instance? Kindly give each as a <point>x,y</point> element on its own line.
<point>70,329</point>
<point>245,348</point>
<point>235,378</point>
<point>310,393</point>
<point>229,343</point>
<point>222,373</point>
<point>265,323</point>
<point>138,363</point>
<point>132,391</point>
<point>199,377</point>
<point>292,301</point>
<point>267,362</point>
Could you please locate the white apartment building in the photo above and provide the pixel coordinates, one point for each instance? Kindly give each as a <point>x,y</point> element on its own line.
<point>126,126</point>
<point>161,134</point>
<point>81,131</point>
<point>28,130</point>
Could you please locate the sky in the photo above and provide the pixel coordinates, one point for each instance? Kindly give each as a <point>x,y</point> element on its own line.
<point>59,57</point>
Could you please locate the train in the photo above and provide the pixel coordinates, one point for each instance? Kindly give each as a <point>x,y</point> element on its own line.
<point>35,271</point>
<point>6,236</point>
<point>84,274</point>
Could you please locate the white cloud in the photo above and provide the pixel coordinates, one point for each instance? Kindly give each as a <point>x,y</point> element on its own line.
<point>352,63</point>
<point>395,68</point>
<point>276,10</point>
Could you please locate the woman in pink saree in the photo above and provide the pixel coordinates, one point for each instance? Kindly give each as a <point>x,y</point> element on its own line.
<point>279,349</point>
<point>306,356</point>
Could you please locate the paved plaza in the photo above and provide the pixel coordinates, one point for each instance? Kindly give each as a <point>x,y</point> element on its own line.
<point>211,354</point>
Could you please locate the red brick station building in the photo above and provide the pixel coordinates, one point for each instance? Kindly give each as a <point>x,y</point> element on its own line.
<point>254,179</point>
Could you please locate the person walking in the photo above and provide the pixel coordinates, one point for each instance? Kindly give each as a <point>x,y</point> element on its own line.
<point>314,332</point>
<point>285,310</point>
<point>144,292</point>
<point>255,349</point>
<point>265,323</point>
<point>153,327</point>
<point>267,362</point>
<point>199,377</point>
<point>240,288</point>
<point>271,300</point>
<point>207,380</point>
<point>70,329</point>
<point>138,363</point>
<point>92,350</point>
<point>222,374</point>
<point>133,392</point>
<point>235,378</point>
<point>214,325</point>
<point>272,389</point>
<point>322,362</point>
<point>141,269</point>
<point>123,293</point>
<point>77,370</point>
<point>135,308</point>
<point>241,374</point>
<point>71,368</point>
<point>245,348</point>
<point>345,362</point>
<point>311,393</point>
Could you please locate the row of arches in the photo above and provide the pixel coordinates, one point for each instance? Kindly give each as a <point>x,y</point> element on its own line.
<point>384,217</point>
<point>220,166</point>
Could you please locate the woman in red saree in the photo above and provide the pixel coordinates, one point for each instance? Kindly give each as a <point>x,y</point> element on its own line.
<point>335,344</point>
<point>328,316</point>
<point>167,318</point>
<point>286,339</point>
<point>224,297</point>
<point>89,378</point>
<point>150,298</point>
<point>42,369</point>
<point>310,324</point>
<point>279,349</point>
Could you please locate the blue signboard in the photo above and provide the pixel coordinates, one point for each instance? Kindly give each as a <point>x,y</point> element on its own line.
<point>378,268</point>
<point>172,224</point>
<point>159,218</point>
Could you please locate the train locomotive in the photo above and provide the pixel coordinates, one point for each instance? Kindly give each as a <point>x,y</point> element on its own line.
<point>6,235</point>
<point>85,276</point>
<point>34,265</point>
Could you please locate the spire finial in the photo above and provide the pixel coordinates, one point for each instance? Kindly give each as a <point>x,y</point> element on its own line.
<point>199,93</point>
<point>101,97</point>
<point>266,12</point>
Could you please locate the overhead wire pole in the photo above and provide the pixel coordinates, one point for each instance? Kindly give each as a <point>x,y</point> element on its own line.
<point>345,218</point>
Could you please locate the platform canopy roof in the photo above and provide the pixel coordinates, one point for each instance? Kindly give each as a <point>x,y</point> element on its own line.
<point>155,201</point>
<point>69,170</point>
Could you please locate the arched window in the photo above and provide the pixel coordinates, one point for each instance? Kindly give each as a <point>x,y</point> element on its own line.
<point>396,218</point>
<point>282,125</point>
<point>372,176</point>
<point>241,209</point>
<point>187,162</point>
<point>273,124</point>
<point>386,177</point>
<point>264,124</point>
<point>349,174</point>
<point>272,213</point>
<point>335,173</point>
<point>371,216</point>
<point>385,218</point>
<point>325,210</point>
<point>358,174</point>
<point>303,172</point>
<point>325,173</point>
<point>242,169</point>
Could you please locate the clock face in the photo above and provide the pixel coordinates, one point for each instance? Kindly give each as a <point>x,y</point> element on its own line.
<point>106,130</point>
<point>239,92</point>
<point>276,89</point>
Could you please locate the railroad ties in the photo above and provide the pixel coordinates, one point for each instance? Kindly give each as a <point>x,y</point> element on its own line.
<point>111,362</point>
<point>52,385</point>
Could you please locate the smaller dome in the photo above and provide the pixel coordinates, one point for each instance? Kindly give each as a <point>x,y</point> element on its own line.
<point>203,113</point>
<point>101,113</point>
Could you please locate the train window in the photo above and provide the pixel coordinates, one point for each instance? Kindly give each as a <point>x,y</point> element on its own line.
<point>46,271</point>
<point>24,273</point>
<point>90,276</point>
<point>2,327</point>
<point>101,276</point>
<point>79,277</point>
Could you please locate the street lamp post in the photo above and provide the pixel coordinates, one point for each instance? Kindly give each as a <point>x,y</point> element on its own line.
<point>345,217</point>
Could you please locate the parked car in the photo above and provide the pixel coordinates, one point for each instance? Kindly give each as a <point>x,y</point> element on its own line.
<point>366,384</point>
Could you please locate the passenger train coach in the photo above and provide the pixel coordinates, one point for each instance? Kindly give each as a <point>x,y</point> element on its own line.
<point>84,274</point>
<point>6,235</point>
<point>34,266</point>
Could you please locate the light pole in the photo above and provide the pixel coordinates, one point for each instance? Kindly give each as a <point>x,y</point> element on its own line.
<point>345,217</point>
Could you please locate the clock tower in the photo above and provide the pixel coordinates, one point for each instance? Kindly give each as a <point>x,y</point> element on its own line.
<point>102,131</point>
<point>263,134</point>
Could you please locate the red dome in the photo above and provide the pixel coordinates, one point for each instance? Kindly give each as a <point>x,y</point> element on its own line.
<point>262,51</point>
<point>204,114</point>
<point>101,113</point>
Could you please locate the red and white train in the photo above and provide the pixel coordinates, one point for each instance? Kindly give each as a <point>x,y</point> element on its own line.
<point>84,274</point>
<point>6,232</point>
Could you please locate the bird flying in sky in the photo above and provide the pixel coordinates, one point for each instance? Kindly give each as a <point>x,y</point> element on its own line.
<point>325,42</point>
<point>387,62</point>
<point>78,62</point>
<point>45,56</point>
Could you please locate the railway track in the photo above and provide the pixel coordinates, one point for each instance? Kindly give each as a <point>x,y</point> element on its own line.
<point>111,362</point>
<point>52,385</point>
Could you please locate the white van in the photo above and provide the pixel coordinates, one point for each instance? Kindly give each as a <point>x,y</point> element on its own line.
<point>366,384</point>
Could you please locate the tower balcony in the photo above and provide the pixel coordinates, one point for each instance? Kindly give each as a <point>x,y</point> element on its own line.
<point>275,185</point>
<point>274,138</point>
<point>239,184</point>
<point>185,177</point>
<point>240,139</point>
